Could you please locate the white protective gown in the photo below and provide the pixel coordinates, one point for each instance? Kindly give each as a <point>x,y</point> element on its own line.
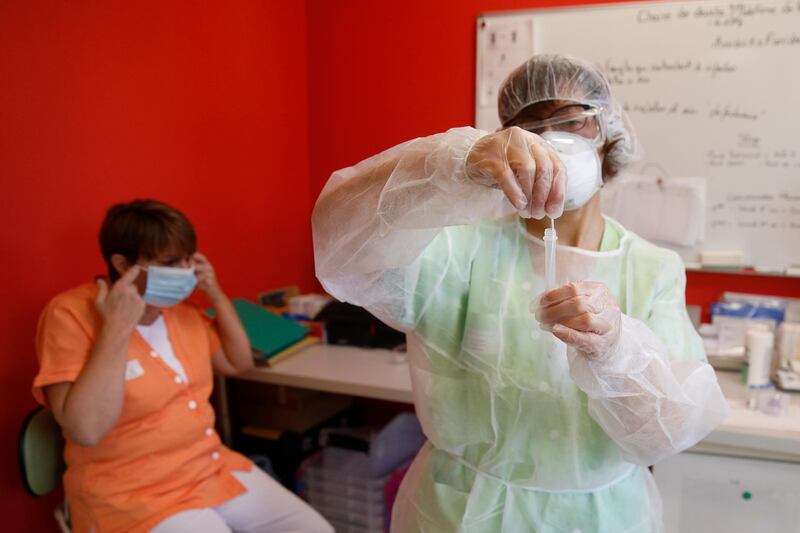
<point>524,433</point>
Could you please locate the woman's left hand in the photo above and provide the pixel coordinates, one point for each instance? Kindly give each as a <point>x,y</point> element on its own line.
<point>206,278</point>
<point>583,314</point>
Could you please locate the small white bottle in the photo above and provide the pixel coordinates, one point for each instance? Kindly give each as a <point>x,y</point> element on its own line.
<point>759,344</point>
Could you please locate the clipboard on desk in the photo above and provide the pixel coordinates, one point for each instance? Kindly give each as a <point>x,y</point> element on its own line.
<point>286,353</point>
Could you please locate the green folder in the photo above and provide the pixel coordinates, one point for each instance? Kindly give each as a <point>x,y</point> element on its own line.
<point>269,333</point>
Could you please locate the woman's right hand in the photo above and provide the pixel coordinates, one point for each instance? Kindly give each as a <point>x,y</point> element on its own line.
<point>524,166</point>
<point>121,306</point>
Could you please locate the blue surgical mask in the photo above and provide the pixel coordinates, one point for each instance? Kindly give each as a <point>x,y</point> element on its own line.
<point>167,286</point>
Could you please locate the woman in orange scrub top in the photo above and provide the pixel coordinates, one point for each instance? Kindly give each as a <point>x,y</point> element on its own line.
<point>126,367</point>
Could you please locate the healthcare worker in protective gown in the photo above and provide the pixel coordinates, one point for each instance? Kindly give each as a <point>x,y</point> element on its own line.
<point>543,406</point>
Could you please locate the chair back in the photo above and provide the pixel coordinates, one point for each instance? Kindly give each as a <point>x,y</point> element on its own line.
<point>41,452</point>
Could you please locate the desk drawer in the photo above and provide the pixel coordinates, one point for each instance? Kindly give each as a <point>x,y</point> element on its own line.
<point>704,493</point>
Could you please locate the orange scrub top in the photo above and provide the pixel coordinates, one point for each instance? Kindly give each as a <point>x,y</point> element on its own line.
<point>163,455</point>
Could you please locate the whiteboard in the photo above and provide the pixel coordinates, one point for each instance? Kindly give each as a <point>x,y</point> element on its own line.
<point>712,88</point>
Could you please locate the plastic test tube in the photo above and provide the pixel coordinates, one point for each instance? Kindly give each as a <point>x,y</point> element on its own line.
<point>550,239</point>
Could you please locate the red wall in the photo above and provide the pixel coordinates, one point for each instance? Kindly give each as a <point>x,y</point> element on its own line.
<point>382,73</point>
<point>200,104</point>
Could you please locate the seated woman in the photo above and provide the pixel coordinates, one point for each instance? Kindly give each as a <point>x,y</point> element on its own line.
<point>126,366</point>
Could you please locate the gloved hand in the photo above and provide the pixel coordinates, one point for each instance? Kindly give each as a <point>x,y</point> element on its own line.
<point>524,166</point>
<point>583,314</point>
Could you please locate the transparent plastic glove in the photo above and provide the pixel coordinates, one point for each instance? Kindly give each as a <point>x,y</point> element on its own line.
<point>521,164</point>
<point>653,404</point>
<point>584,315</point>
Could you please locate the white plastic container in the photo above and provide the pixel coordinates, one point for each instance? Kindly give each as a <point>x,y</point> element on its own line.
<point>338,483</point>
<point>759,344</point>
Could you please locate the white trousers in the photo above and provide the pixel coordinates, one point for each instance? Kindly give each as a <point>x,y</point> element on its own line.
<point>266,507</point>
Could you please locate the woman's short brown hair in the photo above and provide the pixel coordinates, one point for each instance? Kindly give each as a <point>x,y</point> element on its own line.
<point>145,229</point>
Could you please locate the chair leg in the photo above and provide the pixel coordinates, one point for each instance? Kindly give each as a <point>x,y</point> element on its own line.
<point>61,519</point>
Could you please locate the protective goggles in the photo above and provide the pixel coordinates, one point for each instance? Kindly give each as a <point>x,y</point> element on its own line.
<point>580,119</point>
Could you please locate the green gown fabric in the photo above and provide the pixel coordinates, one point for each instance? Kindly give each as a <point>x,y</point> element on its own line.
<point>501,427</point>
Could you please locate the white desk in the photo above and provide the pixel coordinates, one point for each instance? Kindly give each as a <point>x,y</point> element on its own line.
<point>748,433</point>
<point>343,370</point>
<point>374,374</point>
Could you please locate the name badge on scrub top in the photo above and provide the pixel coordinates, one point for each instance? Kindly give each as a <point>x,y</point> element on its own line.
<point>133,370</point>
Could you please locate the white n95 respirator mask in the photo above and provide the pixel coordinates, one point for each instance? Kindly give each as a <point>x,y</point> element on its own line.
<point>584,172</point>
